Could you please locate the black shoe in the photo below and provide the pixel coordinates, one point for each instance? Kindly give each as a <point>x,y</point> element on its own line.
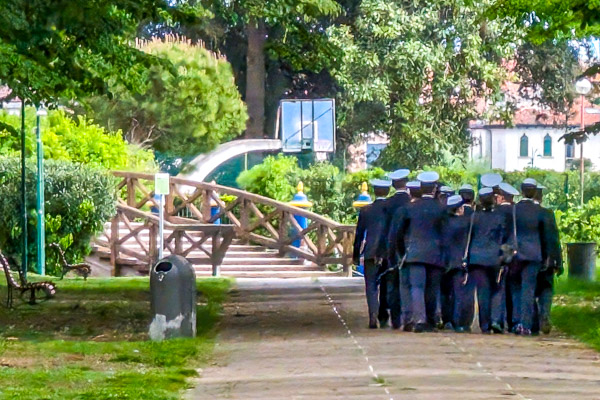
<point>545,326</point>
<point>525,332</point>
<point>517,329</point>
<point>408,327</point>
<point>497,328</point>
<point>462,329</point>
<point>448,326</point>
<point>422,327</point>
<point>373,321</point>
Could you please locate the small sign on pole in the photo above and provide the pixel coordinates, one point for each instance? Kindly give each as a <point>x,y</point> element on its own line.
<point>161,188</point>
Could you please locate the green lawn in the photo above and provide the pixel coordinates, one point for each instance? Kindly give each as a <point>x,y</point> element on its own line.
<point>576,309</point>
<point>90,342</point>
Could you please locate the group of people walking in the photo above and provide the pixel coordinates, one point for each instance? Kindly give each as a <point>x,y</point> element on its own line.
<point>428,253</point>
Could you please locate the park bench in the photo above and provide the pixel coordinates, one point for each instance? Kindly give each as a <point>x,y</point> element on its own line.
<point>33,288</point>
<point>82,269</point>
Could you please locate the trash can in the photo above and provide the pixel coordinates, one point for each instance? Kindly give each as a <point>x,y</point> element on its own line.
<point>173,299</point>
<point>582,260</point>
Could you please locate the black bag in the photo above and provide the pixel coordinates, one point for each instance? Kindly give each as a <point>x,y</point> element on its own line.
<point>509,250</point>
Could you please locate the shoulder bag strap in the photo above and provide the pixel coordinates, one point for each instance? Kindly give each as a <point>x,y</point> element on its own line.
<point>466,253</point>
<point>514,215</point>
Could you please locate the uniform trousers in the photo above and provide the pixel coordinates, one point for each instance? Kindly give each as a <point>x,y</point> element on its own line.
<point>490,295</point>
<point>393,295</point>
<point>447,297</point>
<point>371,286</point>
<point>405,299</point>
<point>383,314</point>
<point>544,291</point>
<point>522,281</point>
<point>425,295</point>
<point>462,310</point>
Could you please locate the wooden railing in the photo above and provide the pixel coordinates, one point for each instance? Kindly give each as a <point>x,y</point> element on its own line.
<point>140,228</point>
<point>255,219</point>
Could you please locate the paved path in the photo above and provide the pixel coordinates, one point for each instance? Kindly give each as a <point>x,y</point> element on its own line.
<point>302,339</point>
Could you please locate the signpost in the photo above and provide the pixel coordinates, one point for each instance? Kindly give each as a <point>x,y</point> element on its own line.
<point>161,188</point>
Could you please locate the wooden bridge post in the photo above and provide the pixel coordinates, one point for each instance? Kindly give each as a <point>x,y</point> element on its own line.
<point>347,245</point>
<point>321,246</point>
<point>215,255</point>
<point>244,220</point>
<point>114,245</point>
<point>206,198</point>
<point>282,231</point>
<point>131,191</point>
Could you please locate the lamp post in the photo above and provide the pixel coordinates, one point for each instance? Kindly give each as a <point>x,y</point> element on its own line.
<point>41,225</point>
<point>23,194</point>
<point>582,87</point>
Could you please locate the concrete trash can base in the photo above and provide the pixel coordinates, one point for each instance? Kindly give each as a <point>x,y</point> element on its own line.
<point>582,261</point>
<point>173,299</point>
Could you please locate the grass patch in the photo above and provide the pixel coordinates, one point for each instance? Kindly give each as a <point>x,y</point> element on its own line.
<point>576,310</point>
<point>90,342</point>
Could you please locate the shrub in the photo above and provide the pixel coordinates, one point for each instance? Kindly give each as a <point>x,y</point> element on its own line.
<point>276,177</point>
<point>580,224</point>
<point>78,140</point>
<point>79,199</point>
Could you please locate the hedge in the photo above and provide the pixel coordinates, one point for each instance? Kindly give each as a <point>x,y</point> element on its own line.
<point>79,199</point>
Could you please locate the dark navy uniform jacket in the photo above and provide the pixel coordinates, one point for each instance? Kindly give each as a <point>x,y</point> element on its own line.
<point>394,205</point>
<point>489,234</point>
<point>373,224</point>
<point>531,233</point>
<point>469,210</point>
<point>455,240</point>
<point>420,232</point>
<point>551,249</point>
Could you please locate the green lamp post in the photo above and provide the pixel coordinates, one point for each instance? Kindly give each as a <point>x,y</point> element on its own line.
<point>41,225</point>
<point>23,194</point>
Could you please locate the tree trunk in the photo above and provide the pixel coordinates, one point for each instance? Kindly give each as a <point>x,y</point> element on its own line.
<point>255,78</point>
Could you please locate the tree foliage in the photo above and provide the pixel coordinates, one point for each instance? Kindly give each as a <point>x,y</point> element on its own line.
<point>67,49</point>
<point>420,73</point>
<point>78,140</point>
<point>181,111</point>
<point>79,200</point>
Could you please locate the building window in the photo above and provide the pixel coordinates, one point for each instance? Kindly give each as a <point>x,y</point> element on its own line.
<point>373,151</point>
<point>570,150</point>
<point>524,150</point>
<point>547,146</point>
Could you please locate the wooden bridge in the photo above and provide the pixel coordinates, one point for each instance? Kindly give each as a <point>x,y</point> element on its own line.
<point>255,236</point>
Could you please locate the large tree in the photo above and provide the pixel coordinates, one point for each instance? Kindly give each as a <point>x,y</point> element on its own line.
<point>420,72</point>
<point>67,49</point>
<point>275,47</point>
<point>183,108</point>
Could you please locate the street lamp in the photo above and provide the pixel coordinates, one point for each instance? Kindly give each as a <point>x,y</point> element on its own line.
<point>41,226</point>
<point>582,87</point>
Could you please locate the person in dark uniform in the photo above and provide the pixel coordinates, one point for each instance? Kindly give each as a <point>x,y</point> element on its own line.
<point>489,233</point>
<point>419,236</point>
<point>372,229</point>
<point>414,188</point>
<point>398,293</point>
<point>444,192</point>
<point>531,230</point>
<point>455,242</point>
<point>552,264</point>
<point>468,195</point>
<point>505,204</point>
